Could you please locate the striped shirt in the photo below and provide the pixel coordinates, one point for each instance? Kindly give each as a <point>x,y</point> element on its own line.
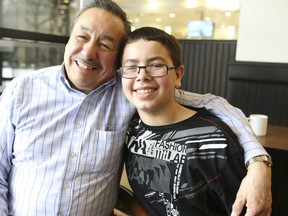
<point>61,150</point>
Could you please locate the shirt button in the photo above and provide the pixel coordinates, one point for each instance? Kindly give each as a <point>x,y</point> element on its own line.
<point>66,186</point>
<point>72,154</point>
<point>78,126</point>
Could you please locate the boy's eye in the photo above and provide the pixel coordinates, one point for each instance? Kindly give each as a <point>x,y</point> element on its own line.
<point>156,66</point>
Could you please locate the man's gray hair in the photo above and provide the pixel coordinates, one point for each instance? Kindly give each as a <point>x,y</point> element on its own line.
<point>109,6</point>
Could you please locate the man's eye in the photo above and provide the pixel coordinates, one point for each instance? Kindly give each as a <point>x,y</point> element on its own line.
<point>106,46</point>
<point>81,38</point>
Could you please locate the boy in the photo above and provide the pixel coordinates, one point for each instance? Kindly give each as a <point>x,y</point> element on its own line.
<point>180,161</point>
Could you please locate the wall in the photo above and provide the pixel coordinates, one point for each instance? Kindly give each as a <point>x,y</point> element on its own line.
<point>206,65</point>
<point>253,87</point>
<point>260,88</point>
<point>263,31</point>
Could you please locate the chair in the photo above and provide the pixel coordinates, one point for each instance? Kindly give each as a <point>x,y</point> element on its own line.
<point>127,205</point>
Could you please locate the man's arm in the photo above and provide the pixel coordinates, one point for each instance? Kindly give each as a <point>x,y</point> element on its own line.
<point>255,188</point>
<point>6,138</point>
<point>255,192</point>
<point>229,114</point>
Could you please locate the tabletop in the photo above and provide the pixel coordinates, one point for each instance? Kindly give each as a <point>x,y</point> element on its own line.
<point>276,137</point>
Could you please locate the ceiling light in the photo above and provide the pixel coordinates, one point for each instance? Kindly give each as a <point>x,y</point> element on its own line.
<point>231,32</point>
<point>153,5</point>
<point>172,15</point>
<point>191,4</point>
<point>228,13</point>
<point>222,25</point>
<point>212,3</point>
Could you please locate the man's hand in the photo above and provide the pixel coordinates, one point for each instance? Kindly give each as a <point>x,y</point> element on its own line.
<point>255,192</point>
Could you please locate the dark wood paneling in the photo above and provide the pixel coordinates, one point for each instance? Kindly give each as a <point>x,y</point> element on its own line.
<point>206,63</point>
<point>210,66</point>
<point>259,72</point>
<point>260,88</point>
<point>265,98</point>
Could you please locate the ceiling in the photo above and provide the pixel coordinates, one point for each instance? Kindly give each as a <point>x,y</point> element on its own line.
<point>176,14</point>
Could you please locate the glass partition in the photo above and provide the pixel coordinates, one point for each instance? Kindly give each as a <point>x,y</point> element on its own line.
<point>33,34</point>
<point>39,24</point>
<point>49,16</point>
<point>187,19</point>
<point>18,57</point>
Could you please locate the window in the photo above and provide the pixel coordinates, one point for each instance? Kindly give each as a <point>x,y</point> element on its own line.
<point>33,34</point>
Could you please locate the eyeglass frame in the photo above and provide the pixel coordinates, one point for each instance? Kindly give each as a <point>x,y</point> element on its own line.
<point>120,70</point>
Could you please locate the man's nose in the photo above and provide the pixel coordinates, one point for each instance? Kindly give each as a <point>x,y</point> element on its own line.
<point>90,50</point>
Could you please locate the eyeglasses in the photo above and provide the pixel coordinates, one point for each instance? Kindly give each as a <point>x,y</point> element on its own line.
<point>154,70</point>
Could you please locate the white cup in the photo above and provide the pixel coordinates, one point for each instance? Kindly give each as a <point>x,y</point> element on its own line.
<point>258,123</point>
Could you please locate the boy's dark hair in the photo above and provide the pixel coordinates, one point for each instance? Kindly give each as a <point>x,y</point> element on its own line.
<point>153,34</point>
<point>109,6</point>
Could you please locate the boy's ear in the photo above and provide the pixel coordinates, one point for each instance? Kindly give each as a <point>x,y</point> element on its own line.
<point>179,75</point>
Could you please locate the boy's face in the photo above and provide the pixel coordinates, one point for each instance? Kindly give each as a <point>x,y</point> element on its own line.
<point>148,94</point>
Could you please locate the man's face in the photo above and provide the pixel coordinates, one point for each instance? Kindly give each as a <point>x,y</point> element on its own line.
<point>90,54</point>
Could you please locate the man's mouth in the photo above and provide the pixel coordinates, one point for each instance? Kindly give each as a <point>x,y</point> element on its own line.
<point>87,65</point>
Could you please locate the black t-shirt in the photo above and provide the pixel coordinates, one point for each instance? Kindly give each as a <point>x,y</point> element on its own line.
<point>193,167</point>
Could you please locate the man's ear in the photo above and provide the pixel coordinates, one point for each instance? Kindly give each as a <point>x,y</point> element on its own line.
<point>179,71</point>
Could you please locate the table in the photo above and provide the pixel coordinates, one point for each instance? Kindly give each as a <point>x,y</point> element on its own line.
<point>276,144</point>
<point>276,137</point>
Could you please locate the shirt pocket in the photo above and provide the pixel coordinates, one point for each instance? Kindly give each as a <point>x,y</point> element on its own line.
<point>106,153</point>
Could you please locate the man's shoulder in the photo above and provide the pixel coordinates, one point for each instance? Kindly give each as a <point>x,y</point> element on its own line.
<point>38,77</point>
<point>43,72</point>
<point>51,68</point>
<point>41,75</point>
<point>47,71</point>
